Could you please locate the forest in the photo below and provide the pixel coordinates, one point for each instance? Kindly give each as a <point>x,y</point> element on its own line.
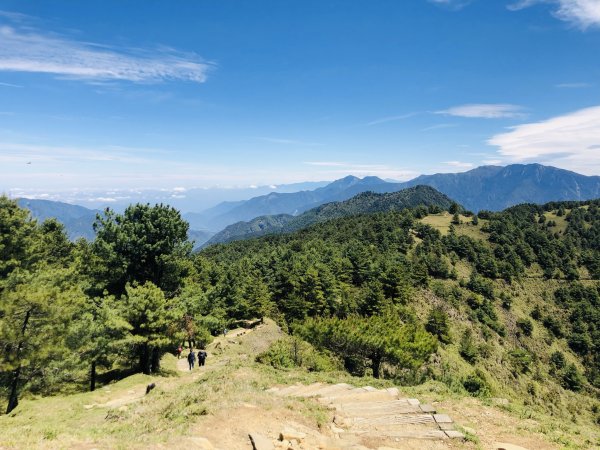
<point>483,302</point>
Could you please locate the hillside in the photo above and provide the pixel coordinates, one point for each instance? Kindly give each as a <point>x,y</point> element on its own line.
<point>490,320</point>
<point>364,203</point>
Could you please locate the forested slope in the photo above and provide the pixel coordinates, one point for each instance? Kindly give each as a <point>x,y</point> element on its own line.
<point>494,305</point>
<point>363,203</point>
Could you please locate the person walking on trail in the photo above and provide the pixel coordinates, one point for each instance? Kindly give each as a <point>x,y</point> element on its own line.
<point>202,355</point>
<point>191,359</point>
<point>179,350</point>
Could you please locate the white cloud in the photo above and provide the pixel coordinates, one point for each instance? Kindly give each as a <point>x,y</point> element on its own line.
<point>11,85</point>
<point>391,119</point>
<point>580,13</point>
<point>485,111</point>
<point>570,141</point>
<point>338,169</point>
<point>23,49</point>
<point>459,164</point>
<point>451,4</point>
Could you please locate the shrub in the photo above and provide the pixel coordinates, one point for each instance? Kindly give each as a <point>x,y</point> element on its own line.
<point>468,350</point>
<point>294,352</point>
<point>525,326</point>
<point>476,384</point>
<point>437,324</point>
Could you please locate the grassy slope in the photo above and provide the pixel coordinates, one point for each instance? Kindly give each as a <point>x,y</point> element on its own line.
<point>227,399</point>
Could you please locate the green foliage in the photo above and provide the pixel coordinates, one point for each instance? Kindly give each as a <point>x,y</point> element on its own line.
<point>467,348</point>
<point>292,352</point>
<point>382,339</point>
<point>145,243</point>
<point>476,384</point>
<point>525,326</point>
<point>520,360</point>
<point>437,324</point>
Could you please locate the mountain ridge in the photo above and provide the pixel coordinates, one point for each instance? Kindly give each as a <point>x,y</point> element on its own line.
<point>362,203</point>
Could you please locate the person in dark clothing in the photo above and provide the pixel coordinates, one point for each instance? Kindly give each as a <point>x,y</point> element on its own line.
<point>202,357</point>
<point>191,358</point>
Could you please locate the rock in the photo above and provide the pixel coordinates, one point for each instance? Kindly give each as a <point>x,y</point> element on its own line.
<point>260,442</point>
<point>442,418</point>
<point>505,446</point>
<point>288,434</point>
<point>500,401</point>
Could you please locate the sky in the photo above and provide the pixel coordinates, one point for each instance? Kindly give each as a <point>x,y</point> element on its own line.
<point>175,95</point>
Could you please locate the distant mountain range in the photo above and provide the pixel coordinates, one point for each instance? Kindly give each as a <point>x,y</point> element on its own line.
<point>79,221</point>
<point>363,203</point>
<point>488,187</point>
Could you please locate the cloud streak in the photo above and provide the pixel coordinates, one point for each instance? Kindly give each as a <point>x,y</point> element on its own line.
<point>485,111</point>
<point>583,14</point>
<point>23,49</point>
<point>571,141</point>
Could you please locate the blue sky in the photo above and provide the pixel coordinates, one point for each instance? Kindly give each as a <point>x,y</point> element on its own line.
<point>157,94</point>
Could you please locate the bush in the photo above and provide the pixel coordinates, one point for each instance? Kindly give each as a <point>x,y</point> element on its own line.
<point>468,350</point>
<point>572,379</point>
<point>525,326</point>
<point>520,360</point>
<point>476,384</point>
<point>292,352</point>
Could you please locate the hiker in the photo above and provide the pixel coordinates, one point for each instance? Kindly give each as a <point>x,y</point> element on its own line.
<point>202,355</point>
<point>179,350</point>
<point>191,359</point>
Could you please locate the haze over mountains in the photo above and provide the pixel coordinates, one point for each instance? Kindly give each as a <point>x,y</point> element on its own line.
<point>487,187</point>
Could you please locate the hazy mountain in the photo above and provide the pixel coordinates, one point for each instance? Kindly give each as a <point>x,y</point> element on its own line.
<point>496,188</point>
<point>363,203</point>
<point>287,203</point>
<point>487,187</point>
<point>78,220</point>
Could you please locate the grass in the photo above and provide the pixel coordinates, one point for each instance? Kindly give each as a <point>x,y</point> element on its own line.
<point>442,222</point>
<point>226,399</point>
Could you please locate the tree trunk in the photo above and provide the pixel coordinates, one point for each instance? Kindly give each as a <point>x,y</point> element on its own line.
<point>93,376</point>
<point>145,359</point>
<point>376,365</point>
<point>13,399</point>
<point>155,363</point>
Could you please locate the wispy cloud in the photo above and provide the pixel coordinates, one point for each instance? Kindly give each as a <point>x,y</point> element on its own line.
<point>570,141</point>
<point>573,85</point>
<point>451,4</point>
<point>336,169</point>
<point>24,49</point>
<point>392,118</point>
<point>459,164</point>
<point>440,126</point>
<point>10,85</point>
<point>583,14</point>
<point>485,111</point>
